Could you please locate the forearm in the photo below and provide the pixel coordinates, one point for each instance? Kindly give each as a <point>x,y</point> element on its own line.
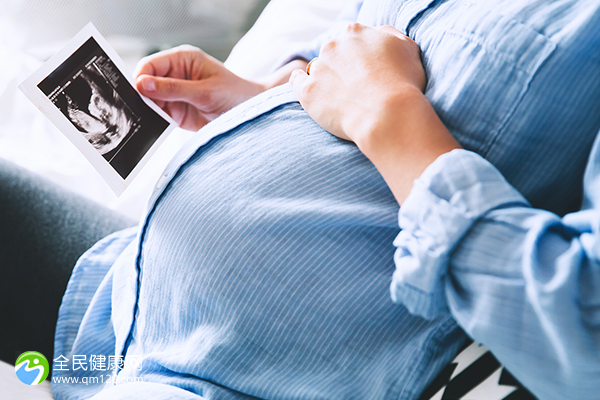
<point>402,144</point>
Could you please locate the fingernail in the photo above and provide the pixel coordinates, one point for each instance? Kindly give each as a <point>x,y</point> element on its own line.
<point>149,85</point>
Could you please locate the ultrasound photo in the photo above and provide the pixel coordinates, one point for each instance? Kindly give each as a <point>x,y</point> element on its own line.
<point>92,93</point>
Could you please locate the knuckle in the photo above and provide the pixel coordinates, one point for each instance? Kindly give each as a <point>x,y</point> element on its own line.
<point>388,29</point>
<point>144,66</point>
<point>167,88</point>
<point>307,89</point>
<point>355,27</point>
<point>143,61</point>
<point>186,48</point>
<point>328,46</point>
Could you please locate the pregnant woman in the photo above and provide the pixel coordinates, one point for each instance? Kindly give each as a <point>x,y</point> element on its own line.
<point>263,266</point>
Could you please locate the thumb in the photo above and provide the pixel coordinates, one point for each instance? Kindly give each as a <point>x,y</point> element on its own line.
<point>298,81</point>
<point>167,89</point>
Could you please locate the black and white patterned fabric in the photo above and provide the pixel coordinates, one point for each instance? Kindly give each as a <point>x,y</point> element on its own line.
<point>475,374</point>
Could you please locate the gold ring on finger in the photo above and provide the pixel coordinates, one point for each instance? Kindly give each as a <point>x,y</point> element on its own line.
<point>309,64</point>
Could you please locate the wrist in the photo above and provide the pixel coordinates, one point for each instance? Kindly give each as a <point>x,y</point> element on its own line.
<point>389,126</point>
<point>407,137</point>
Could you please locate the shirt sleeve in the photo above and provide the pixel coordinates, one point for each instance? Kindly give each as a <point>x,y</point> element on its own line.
<point>522,281</point>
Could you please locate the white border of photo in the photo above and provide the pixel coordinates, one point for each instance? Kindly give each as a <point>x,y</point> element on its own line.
<point>40,100</point>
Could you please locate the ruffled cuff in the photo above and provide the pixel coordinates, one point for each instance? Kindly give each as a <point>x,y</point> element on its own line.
<point>450,196</point>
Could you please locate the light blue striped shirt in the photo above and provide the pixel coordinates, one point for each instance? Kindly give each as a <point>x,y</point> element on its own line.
<point>263,266</point>
<point>521,280</point>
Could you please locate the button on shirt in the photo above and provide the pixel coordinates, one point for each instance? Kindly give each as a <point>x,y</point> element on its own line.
<point>263,266</point>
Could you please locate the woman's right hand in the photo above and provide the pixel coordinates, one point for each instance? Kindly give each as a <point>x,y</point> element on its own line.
<point>367,87</point>
<point>191,86</point>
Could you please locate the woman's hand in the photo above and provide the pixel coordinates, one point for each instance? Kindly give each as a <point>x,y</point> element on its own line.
<point>367,86</point>
<point>195,88</point>
<point>357,77</point>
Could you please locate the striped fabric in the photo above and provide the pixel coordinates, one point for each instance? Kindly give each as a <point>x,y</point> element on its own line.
<point>521,280</point>
<point>515,81</point>
<point>262,268</point>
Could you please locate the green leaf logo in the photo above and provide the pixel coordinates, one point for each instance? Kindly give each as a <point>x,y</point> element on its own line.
<point>32,368</point>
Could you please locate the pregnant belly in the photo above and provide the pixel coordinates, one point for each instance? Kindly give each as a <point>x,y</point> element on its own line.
<point>266,267</point>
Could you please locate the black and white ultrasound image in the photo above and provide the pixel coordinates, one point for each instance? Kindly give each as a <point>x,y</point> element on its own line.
<point>95,97</point>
